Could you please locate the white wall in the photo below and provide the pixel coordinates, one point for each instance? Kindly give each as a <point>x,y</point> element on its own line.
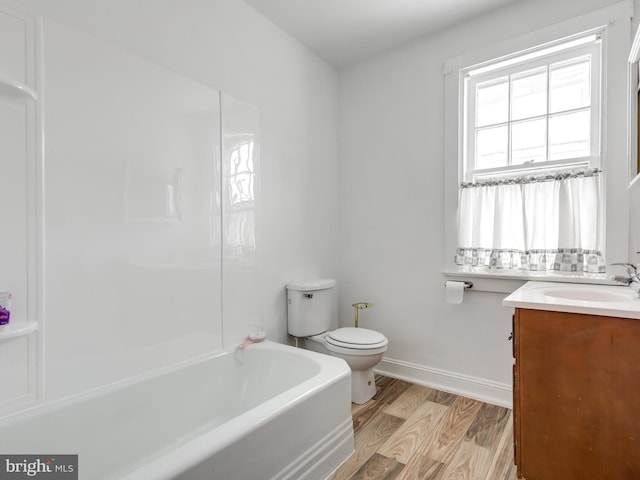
<point>106,284</point>
<point>391,179</point>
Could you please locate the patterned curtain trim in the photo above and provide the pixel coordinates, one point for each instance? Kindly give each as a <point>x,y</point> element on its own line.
<point>574,260</point>
<point>589,172</point>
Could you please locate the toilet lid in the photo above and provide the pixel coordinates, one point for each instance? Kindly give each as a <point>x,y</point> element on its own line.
<point>360,338</point>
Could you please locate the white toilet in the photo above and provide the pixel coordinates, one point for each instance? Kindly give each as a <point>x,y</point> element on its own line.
<point>309,310</point>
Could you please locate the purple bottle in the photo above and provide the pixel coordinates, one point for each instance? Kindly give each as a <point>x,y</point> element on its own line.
<point>5,307</point>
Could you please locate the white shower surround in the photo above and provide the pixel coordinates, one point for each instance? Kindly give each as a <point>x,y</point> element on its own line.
<point>118,304</point>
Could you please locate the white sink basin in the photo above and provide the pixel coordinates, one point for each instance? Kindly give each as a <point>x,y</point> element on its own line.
<point>609,300</point>
<point>590,293</point>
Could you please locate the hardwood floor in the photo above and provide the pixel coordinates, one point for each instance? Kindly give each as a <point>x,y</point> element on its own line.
<point>409,432</point>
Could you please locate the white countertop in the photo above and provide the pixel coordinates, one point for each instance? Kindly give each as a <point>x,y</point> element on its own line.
<point>606,300</point>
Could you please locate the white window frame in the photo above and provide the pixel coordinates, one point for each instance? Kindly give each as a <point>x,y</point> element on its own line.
<point>586,44</point>
<point>615,19</point>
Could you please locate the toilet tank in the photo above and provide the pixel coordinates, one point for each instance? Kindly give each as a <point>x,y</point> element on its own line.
<point>309,306</point>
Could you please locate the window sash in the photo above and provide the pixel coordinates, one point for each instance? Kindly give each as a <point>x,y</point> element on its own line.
<point>487,74</point>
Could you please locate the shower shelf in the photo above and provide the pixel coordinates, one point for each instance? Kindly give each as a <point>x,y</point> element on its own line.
<point>13,89</point>
<point>17,330</point>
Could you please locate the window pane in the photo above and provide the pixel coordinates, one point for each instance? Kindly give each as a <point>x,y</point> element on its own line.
<point>570,135</point>
<point>529,141</point>
<point>492,102</point>
<point>529,94</point>
<point>491,147</point>
<point>570,86</point>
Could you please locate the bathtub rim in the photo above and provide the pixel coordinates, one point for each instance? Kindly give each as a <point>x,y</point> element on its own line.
<point>167,465</point>
<point>98,391</point>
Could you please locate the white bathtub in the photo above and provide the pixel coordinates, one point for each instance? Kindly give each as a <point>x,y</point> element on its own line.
<point>268,412</point>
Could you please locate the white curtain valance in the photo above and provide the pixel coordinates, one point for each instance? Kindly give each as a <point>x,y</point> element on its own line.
<point>548,223</point>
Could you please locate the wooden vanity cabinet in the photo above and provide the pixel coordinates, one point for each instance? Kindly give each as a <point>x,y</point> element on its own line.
<point>576,396</point>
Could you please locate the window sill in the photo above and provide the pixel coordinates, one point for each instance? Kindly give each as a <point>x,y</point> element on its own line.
<point>507,281</point>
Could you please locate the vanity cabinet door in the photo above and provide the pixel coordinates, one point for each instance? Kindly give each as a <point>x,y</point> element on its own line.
<point>577,396</point>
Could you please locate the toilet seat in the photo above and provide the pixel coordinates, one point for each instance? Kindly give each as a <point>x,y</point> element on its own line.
<point>358,338</point>
<point>354,341</point>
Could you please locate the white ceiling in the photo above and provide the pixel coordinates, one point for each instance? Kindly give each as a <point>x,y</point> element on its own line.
<point>343,32</point>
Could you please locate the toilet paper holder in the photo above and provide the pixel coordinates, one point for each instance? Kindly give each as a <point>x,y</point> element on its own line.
<point>467,285</point>
<point>359,306</point>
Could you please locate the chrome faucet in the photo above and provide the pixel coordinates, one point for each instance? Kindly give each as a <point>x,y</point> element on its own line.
<point>632,280</point>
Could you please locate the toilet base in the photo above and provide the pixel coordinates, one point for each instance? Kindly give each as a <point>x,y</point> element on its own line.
<point>363,386</point>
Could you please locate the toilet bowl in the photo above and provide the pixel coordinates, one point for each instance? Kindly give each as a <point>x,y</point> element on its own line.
<point>309,307</point>
<point>361,348</point>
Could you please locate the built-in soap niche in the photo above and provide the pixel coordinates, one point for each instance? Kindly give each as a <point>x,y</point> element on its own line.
<point>20,209</point>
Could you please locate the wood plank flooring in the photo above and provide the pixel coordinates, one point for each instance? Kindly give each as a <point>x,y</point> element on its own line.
<point>409,432</point>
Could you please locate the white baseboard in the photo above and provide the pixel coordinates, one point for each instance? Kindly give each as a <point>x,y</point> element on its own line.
<point>473,387</point>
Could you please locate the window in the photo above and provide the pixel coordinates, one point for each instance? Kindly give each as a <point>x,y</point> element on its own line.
<point>530,197</point>
<point>534,111</point>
